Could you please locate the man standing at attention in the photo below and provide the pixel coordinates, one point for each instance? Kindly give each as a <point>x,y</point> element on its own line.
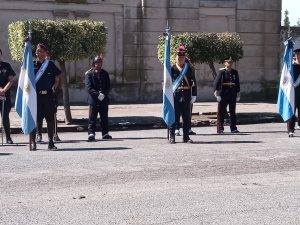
<point>227,92</point>
<point>185,92</point>
<point>97,84</point>
<point>6,80</point>
<point>47,81</point>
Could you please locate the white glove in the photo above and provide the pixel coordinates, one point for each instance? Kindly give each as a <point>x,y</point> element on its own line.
<point>101,96</point>
<point>238,97</point>
<point>219,98</point>
<point>193,99</point>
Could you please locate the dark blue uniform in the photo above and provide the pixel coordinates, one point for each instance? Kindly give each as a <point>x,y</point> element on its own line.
<point>95,83</point>
<point>5,72</point>
<point>227,83</point>
<point>182,100</point>
<point>292,121</point>
<point>45,97</point>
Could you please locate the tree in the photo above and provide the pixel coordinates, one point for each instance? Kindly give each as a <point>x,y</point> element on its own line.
<point>286,20</point>
<point>298,22</point>
<point>67,40</point>
<point>205,47</point>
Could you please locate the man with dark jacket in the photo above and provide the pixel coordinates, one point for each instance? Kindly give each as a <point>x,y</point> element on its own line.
<point>296,71</point>
<point>97,84</point>
<point>227,92</point>
<point>47,80</point>
<point>6,81</point>
<point>183,77</point>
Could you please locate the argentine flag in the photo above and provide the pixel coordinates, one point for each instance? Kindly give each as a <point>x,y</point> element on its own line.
<point>168,98</point>
<point>26,103</point>
<point>286,94</point>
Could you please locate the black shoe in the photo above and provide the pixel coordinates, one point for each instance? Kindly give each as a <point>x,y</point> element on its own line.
<point>51,146</point>
<point>172,140</point>
<point>56,138</point>
<point>9,141</point>
<point>91,137</point>
<point>33,146</point>
<point>220,132</point>
<point>235,131</point>
<point>188,141</point>
<point>192,132</point>
<point>106,136</point>
<point>39,138</point>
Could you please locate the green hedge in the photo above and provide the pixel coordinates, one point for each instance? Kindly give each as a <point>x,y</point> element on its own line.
<point>205,47</point>
<point>66,39</point>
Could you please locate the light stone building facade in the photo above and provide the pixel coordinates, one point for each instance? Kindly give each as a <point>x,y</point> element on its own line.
<point>133,30</point>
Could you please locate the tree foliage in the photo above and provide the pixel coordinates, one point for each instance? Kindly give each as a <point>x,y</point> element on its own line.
<point>66,39</point>
<point>205,47</point>
<point>286,20</point>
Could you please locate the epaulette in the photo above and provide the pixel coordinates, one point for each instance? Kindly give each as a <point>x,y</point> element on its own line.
<point>87,72</point>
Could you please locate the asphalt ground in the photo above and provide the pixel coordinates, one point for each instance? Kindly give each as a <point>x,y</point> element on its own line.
<point>138,178</point>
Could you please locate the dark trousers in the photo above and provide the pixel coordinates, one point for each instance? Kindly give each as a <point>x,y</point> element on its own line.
<point>102,109</point>
<point>182,108</point>
<point>45,109</point>
<point>292,122</point>
<point>5,117</point>
<point>223,110</point>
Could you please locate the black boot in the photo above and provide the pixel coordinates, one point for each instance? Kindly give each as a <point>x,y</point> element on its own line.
<point>9,141</point>
<point>171,136</point>
<point>51,146</point>
<point>33,146</point>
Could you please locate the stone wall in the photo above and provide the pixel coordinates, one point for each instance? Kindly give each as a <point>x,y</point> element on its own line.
<point>133,30</point>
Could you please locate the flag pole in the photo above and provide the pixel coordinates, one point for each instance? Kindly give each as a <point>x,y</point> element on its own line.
<point>165,34</point>
<point>29,38</point>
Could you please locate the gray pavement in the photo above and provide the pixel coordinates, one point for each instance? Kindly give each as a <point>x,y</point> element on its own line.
<point>137,178</point>
<point>148,116</point>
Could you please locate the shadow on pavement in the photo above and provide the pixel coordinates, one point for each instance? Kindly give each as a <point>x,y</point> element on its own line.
<point>227,142</point>
<point>5,154</point>
<point>138,138</point>
<point>91,149</point>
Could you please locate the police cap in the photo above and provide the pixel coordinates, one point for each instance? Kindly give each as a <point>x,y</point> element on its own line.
<point>228,60</point>
<point>181,51</point>
<point>98,59</point>
<point>42,46</point>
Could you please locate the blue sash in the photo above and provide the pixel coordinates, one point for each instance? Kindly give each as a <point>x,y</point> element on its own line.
<point>180,77</point>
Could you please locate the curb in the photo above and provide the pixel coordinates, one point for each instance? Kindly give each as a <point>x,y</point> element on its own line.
<point>152,122</point>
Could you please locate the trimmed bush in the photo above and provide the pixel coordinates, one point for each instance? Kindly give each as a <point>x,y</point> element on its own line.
<point>66,39</point>
<point>205,47</point>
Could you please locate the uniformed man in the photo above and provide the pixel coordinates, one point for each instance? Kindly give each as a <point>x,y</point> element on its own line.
<point>6,81</point>
<point>186,91</point>
<point>39,127</point>
<point>296,70</point>
<point>47,80</point>
<point>227,92</point>
<point>97,84</point>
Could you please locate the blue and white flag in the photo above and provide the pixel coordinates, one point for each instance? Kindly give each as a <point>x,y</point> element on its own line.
<point>26,103</point>
<point>168,98</point>
<point>286,94</point>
